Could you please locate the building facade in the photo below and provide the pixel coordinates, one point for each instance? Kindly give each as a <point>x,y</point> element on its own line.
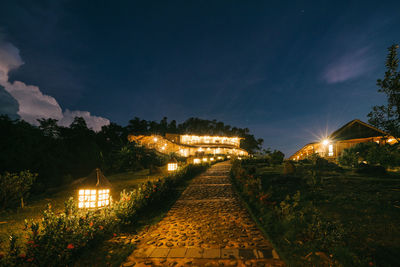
<point>191,145</point>
<point>349,135</point>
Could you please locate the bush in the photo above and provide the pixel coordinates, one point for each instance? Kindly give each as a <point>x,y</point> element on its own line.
<point>289,168</point>
<point>372,153</point>
<point>370,170</point>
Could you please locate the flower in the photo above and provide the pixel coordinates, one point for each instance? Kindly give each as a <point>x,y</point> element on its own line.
<point>30,242</point>
<point>70,246</point>
<point>90,224</point>
<point>30,259</point>
<point>22,255</point>
<point>101,227</point>
<point>114,234</point>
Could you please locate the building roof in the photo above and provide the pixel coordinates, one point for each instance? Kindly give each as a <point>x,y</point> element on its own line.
<point>95,179</point>
<point>356,129</point>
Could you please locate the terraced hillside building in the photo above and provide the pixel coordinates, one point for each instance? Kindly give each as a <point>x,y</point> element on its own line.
<point>191,145</point>
<point>352,133</point>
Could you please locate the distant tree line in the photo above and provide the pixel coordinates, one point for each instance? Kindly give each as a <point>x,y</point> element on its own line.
<point>60,154</point>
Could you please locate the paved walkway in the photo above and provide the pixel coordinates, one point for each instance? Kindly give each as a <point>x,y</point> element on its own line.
<point>207,226</point>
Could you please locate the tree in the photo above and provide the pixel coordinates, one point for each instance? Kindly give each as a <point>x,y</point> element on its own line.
<point>277,157</point>
<point>387,117</point>
<point>15,186</point>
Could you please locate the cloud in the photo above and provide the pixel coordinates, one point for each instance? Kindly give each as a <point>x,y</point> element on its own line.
<point>93,122</point>
<point>9,59</point>
<point>33,104</point>
<point>348,66</point>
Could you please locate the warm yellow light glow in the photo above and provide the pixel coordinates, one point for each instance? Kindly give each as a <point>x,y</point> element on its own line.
<point>155,139</point>
<point>325,142</point>
<point>92,198</point>
<point>205,159</point>
<point>330,150</point>
<point>195,139</point>
<point>173,166</point>
<point>196,161</point>
<point>211,159</point>
<point>229,157</point>
<point>219,158</point>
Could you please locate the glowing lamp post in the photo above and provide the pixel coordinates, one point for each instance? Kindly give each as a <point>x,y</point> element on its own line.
<point>94,191</point>
<point>172,165</point>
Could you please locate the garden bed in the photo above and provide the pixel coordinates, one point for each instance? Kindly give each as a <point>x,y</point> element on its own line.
<point>59,239</point>
<point>347,219</point>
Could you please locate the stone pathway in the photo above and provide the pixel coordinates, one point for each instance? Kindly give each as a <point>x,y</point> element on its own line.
<point>207,226</point>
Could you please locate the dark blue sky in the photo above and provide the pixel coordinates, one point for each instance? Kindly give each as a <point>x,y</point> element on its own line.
<point>285,69</point>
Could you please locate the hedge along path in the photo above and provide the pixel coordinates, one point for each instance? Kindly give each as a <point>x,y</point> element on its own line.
<point>207,226</point>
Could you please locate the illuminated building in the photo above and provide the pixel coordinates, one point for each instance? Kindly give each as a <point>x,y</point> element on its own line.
<point>349,135</point>
<point>191,145</point>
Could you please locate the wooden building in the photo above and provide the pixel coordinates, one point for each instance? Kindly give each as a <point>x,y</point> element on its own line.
<point>347,136</point>
<point>191,145</point>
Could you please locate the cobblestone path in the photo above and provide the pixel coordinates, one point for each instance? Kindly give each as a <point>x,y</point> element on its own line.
<point>207,226</point>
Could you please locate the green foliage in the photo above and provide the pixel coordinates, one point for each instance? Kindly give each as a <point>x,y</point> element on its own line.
<point>57,239</point>
<point>14,187</point>
<point>277,157</point>
<point>387,117</point>
<point>292,220</point>
<point>372,153</point>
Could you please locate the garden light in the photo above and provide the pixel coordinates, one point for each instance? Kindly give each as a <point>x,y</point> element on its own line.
<point>94,191</point>
<point>172,165</point>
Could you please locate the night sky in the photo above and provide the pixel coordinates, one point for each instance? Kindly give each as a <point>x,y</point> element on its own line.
<point>288,70</point>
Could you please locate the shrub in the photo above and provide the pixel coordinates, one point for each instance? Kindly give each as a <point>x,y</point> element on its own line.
<point>277,157</point>
<point>370,170</point>
<point>372,153</point>
<point>289,168</point>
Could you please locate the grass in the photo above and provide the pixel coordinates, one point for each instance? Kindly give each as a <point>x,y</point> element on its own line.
<point>368,208</point>
<point>13,221</point>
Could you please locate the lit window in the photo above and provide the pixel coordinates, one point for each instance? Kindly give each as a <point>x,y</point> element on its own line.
<point>330,150</point>
<point>196,161</point>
